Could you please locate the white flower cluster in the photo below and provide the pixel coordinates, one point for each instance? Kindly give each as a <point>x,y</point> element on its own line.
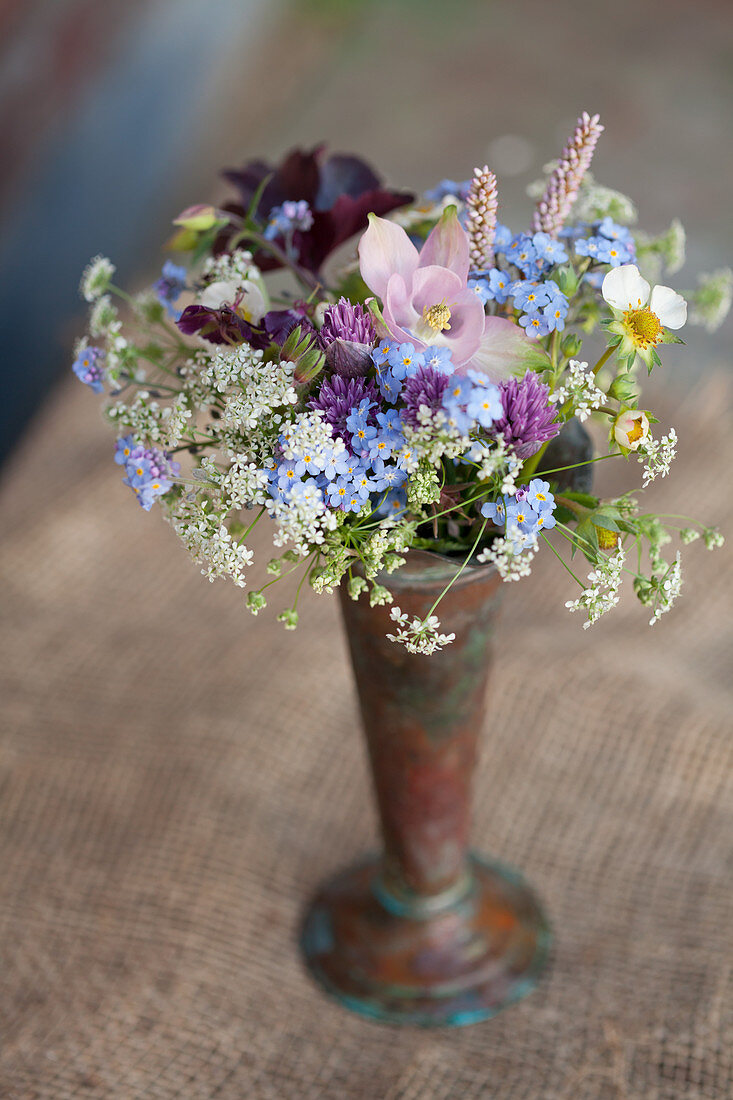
<point>174,420</point>
<point>302,518</point>
<point>96,278</point>
<point>309,440</point>
<point>241,485</point>
<point>601,593</point>
<point>512,556</point>
<point>256,390</point>
<point>432,441</point>
<point>493,458</point>
<point>144,418</point>
<point>656,456</point>
<point>104,322</point>
<point>580,389</point>
<point>666,589</point>
<point>208,541</point>
<point>234,266</point>
<point>420,635</point>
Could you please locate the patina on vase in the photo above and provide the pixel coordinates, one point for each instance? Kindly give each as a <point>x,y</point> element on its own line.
<point>426,932</point>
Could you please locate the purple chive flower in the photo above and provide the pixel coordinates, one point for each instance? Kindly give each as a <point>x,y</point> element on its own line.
<point>338,397</point>
<point>89,368</point>
<point>528,419</point>
<point>347,321</point>
<point>425,387</point>
<point>347,336</point>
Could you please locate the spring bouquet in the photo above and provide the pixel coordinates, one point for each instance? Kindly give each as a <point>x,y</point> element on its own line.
<point>427,391</point>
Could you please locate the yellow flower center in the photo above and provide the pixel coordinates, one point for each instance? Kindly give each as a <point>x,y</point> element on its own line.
<point>636,431</point>
<point>644,327</point>
<point>438,317</point>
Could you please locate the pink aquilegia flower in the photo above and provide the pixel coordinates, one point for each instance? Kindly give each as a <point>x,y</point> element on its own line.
<point>426,300</point>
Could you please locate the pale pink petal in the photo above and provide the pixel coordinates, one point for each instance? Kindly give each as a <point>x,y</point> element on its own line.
<point>466,326</point>
<point>669,306</point>
<point>447,246</point>
<point>384,250</point>
<point>398,306</point>
<point>503,348</point>
<point>433,286</point>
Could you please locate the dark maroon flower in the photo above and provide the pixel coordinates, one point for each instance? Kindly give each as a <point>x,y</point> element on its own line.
<point>340,190</point>
<point>528,419</point>
<point>279,323</point>
<point>220,326</point>
<point>425,387</point>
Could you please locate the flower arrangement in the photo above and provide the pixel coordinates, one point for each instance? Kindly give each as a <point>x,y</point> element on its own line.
<point>410,398</point>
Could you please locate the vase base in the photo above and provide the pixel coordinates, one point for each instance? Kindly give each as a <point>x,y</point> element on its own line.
<point>454,966</point>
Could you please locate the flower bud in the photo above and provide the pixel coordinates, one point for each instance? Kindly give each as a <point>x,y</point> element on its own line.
<point>198,217</point>
<point>623,388</point>
<point>631,428</point>
<point>349,358</point>
<point>571,345</point>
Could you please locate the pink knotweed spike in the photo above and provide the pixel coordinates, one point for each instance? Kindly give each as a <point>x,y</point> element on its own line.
<point>481,206</point>
<point>562,186</point>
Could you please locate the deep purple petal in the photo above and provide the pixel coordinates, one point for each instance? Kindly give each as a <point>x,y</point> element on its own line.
<point>342,174</point>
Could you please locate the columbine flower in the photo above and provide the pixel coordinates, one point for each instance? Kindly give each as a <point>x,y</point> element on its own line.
<point>96,278</point>
<point>641,314</point>
<point>631,429</point>
<point>89,367</point>
<point>528,419</point>
<point>426,298</point>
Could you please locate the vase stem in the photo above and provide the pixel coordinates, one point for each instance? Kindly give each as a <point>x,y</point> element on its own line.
<point>425,933</point>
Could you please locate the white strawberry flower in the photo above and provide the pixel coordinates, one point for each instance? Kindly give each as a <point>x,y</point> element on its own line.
<point>631,428</point>
<point>641,313</point>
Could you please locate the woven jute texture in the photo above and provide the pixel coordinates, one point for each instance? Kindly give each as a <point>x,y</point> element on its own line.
<point>176,777</point>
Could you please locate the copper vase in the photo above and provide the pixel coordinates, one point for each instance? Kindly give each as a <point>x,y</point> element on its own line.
<point>426,932</point>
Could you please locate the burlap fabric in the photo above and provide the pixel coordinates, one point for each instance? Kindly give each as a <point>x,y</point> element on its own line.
<point>177,777</point>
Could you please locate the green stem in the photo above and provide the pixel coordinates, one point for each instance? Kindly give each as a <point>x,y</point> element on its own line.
<point>562,561</point>
<point>255,521</point>
<point>606,355</point>
<point>457,575</point>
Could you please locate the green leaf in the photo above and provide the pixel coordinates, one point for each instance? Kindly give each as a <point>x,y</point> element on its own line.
<point>586,499</point>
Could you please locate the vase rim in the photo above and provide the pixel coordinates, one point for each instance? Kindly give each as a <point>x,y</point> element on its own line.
<point>426,567</point>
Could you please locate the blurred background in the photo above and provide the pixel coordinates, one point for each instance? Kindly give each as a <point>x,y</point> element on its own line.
<point>115,116</point>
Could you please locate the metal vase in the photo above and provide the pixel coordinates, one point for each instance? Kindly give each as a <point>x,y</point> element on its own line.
<point>426,932</point>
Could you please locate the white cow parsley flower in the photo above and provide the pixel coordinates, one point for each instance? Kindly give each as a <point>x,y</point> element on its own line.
<point>418,635</point>
<point>601,593</point>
